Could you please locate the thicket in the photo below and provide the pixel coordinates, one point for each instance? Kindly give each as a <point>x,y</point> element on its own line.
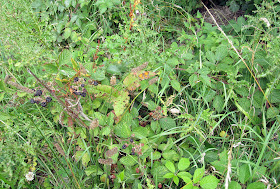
<point>139,94</point>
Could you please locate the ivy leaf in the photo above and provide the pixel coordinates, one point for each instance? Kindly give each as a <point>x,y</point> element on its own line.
<point>209,182</point>
<point>198,174</point>
<point>170,166</point>
<point>183,164</point>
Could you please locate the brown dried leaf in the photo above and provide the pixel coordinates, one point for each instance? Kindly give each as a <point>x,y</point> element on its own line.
<point>94,124</point>
<point>59,149</point>
<point>139,68</point>
<point>111,152</point>
<point>154,80</point>
<point>113,80</point>
<point>108,161</point>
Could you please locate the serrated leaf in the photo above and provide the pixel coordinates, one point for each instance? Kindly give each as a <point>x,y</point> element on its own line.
<point>170,166</point>
<point>131,82</point>
<point>244,173</point>
<point>93,169</point>
<point>176,85</point>
<point>218,103</point>
<point>272,112</point>
<point>128,161</point>
<point>156,155</point>
<point>170,155</point>
<point>189,183</point>
<point>120,103</point>
<point>256,185</point>
<point>158,172</point>
<point>193,79</point>
<point>167,123</point>
<point>209,182</point>
<point>67,33</point>
<point>198,174</point>
<point>185,176</point>
<point>183,164</point>
<point>172,61</point>
<point>234,185</point>
<point>221,52</point>
<point>123,130</point>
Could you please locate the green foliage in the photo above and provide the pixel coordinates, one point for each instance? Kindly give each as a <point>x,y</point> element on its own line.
<point>143,95</point>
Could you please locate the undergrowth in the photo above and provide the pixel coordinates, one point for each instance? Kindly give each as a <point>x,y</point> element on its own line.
<point>138,94</point>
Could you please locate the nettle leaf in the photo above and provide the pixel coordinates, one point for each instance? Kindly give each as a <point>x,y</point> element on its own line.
<point>209,182</point>
<point>244,173</point>
<point>172,62</point>
<point>272,112</point>
<point>275,96</point>
<point>170,155</point>
<point>176,85</point>
<point>170,166</point>
<point>211,56</point>
<point>193,79</point>
<point>167,123</point>
<point>129,161</point>
<point>198,174</point>
<point>218,103</point>
<point>183,164</point>
<point>156,155</point>
<point>221,52</point>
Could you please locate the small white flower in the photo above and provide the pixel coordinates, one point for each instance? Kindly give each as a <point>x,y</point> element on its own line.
<point>174,111</point>
<point>29,176</point>
<point>236,145</point>
<point>265,21</point>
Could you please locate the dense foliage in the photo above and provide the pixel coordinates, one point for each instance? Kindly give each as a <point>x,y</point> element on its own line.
<point>138,94</point>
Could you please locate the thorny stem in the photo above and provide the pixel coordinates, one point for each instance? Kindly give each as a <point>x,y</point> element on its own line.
<point>69,111</point>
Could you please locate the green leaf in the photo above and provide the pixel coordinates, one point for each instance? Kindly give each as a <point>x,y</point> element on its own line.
<point>184,175</point>
<point>168,175</point>
<point>129,161</point>
<point>218,103</point>
<point>221,52</point>
<point>170,155</point>
<point>176,85</point>
<point>120,103</point>
<point>176,180</point>
<point>234,7</point>
<point>183,164</point>
<point>158,172</point>
<point>211,56</point>
<point>170,166</point>
<point>156,155</point>
<point>198,174</point>
<point>256,185</point>
<point>167,123</point>
<point>67,33</point>
<point>234,185</point>
<point>85,159</point>
<point>193,79</point>
<point>122,130</point>
<point>209,182</point>
<point>272,112</point>
<point>172,62</point>
<point>244,173</point>
<point>189,183</point>
<point>121,175</point>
